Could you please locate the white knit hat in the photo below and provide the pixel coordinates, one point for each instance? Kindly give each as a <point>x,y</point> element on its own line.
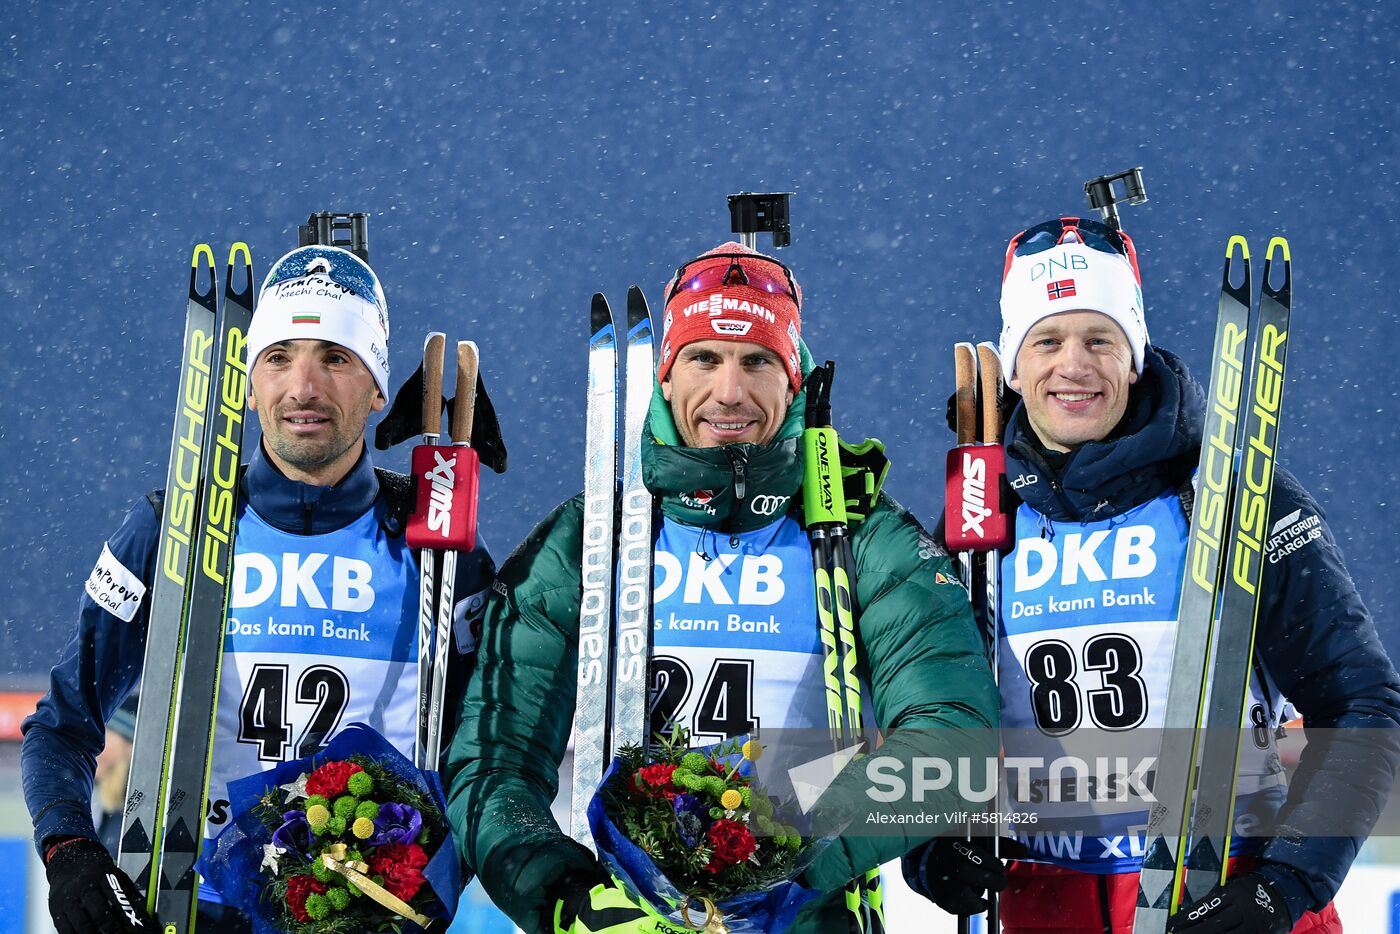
<point>1068,276</point>
<point>324,293</point>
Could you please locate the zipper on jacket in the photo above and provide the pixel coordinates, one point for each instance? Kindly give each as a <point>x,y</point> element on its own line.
<point>738,465</point>
<point>306,512</point>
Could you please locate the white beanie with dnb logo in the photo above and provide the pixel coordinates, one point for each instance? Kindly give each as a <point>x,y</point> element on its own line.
<point>1068,276</point>
<point>324,293</point>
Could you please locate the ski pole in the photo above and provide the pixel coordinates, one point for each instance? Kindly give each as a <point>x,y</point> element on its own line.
<point>459,484</point>
<point>434,349</point>
<point>825,509</point>
<point>975,521</point>
<point>990,387</point>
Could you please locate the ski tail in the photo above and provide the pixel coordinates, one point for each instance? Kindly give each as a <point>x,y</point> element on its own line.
<point>207,604</point>
<point>151,745</point>
<point>1239,601</point>
<point>591,714</point>
<point>1158,881</point>
<point>630,714</point>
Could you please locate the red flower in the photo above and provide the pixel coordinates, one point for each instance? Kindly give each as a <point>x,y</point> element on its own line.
<point>401,866</point>
<point>298,888</point>
<point>402,881</point>
<point>411,855</point>
<point>329,780</point>
<point>656,780</point>
<point>732,843</point>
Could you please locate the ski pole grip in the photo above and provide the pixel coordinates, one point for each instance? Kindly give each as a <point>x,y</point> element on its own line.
<point>965,376</point>
<point>823,499</point>
<point>434,350</point>
<point>464,408</point>
<point>974,518</point>
<point>989,368</point>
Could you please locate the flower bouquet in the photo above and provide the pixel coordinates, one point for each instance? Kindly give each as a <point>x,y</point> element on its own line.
<point>690,834</point>
<point>351,839</point>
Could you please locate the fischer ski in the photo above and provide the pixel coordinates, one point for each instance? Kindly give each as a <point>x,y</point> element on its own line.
<point>165,628</point>
<point>1239,600</point>
<point>182,830</point>
<point>1243,409</point>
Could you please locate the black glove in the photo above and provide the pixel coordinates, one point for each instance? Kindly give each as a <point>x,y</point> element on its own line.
<point>1247,904</point>
<point>955,874</point>
<point>88,894</point>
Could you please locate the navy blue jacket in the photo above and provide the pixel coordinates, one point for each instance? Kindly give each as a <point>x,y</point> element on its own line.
<point>102,661</point>
<point>1315,637</point>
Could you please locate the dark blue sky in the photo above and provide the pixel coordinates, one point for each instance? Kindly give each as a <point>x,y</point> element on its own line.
<point>517,159</point>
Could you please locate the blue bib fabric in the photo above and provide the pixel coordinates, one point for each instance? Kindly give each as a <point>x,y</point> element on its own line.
<point>735,642</point>
<point>321,633</point>
<point>1087,629</point>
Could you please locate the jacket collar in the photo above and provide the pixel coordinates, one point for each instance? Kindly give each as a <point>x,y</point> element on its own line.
<point>304,509</point>
<point>1153,449</point>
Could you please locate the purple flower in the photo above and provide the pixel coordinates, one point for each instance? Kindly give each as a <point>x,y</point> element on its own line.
<point>295,834</point>
<point>690,818</point>
<point>396,823</point>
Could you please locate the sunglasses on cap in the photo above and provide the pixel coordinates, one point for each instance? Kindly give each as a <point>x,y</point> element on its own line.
<point>764,273</point>
<point>341,267</point>
<point>1091,233</point>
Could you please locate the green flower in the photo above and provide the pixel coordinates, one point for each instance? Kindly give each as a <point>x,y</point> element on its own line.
<point>694,762</point>
<point>345,806</point>
<point>746,796</point>
<point>368,809</point>
<point>338,898</point>
<point>336,826</point>
<point>322,872</point>
<point>314,800</point>
<point>317,906</point>
<point>360,784</point>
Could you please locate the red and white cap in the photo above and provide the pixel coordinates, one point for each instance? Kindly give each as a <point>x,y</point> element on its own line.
<point>733,293</point>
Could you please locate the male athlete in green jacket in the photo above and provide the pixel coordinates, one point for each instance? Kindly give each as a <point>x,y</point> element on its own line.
<point>722,454</point>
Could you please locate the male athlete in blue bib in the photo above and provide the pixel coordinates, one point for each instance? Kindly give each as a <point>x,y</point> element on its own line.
<point>1100,450</point>
<point>322,620</point>
<point>735,631</point>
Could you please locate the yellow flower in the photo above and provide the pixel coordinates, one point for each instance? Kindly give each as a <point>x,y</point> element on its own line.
<point>730,800</point>
<point>318,816</point>
<point>363,828</point>
<point>752,750</point>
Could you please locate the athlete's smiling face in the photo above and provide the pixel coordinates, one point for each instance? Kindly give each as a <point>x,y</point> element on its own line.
<point>313,399</point>
<point>726,392</point>
<point>1073,371</point>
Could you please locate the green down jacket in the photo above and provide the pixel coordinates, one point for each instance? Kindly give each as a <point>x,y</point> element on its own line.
<point>919,651</point>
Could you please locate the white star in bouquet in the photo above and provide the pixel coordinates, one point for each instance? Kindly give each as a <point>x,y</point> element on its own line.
<point>296,789</point>
<point>271,853</point>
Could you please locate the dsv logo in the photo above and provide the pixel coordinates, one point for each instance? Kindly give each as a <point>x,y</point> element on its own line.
<point>768,505</point>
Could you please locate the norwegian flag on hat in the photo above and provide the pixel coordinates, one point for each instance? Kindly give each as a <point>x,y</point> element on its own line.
<point>1060,288</point>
